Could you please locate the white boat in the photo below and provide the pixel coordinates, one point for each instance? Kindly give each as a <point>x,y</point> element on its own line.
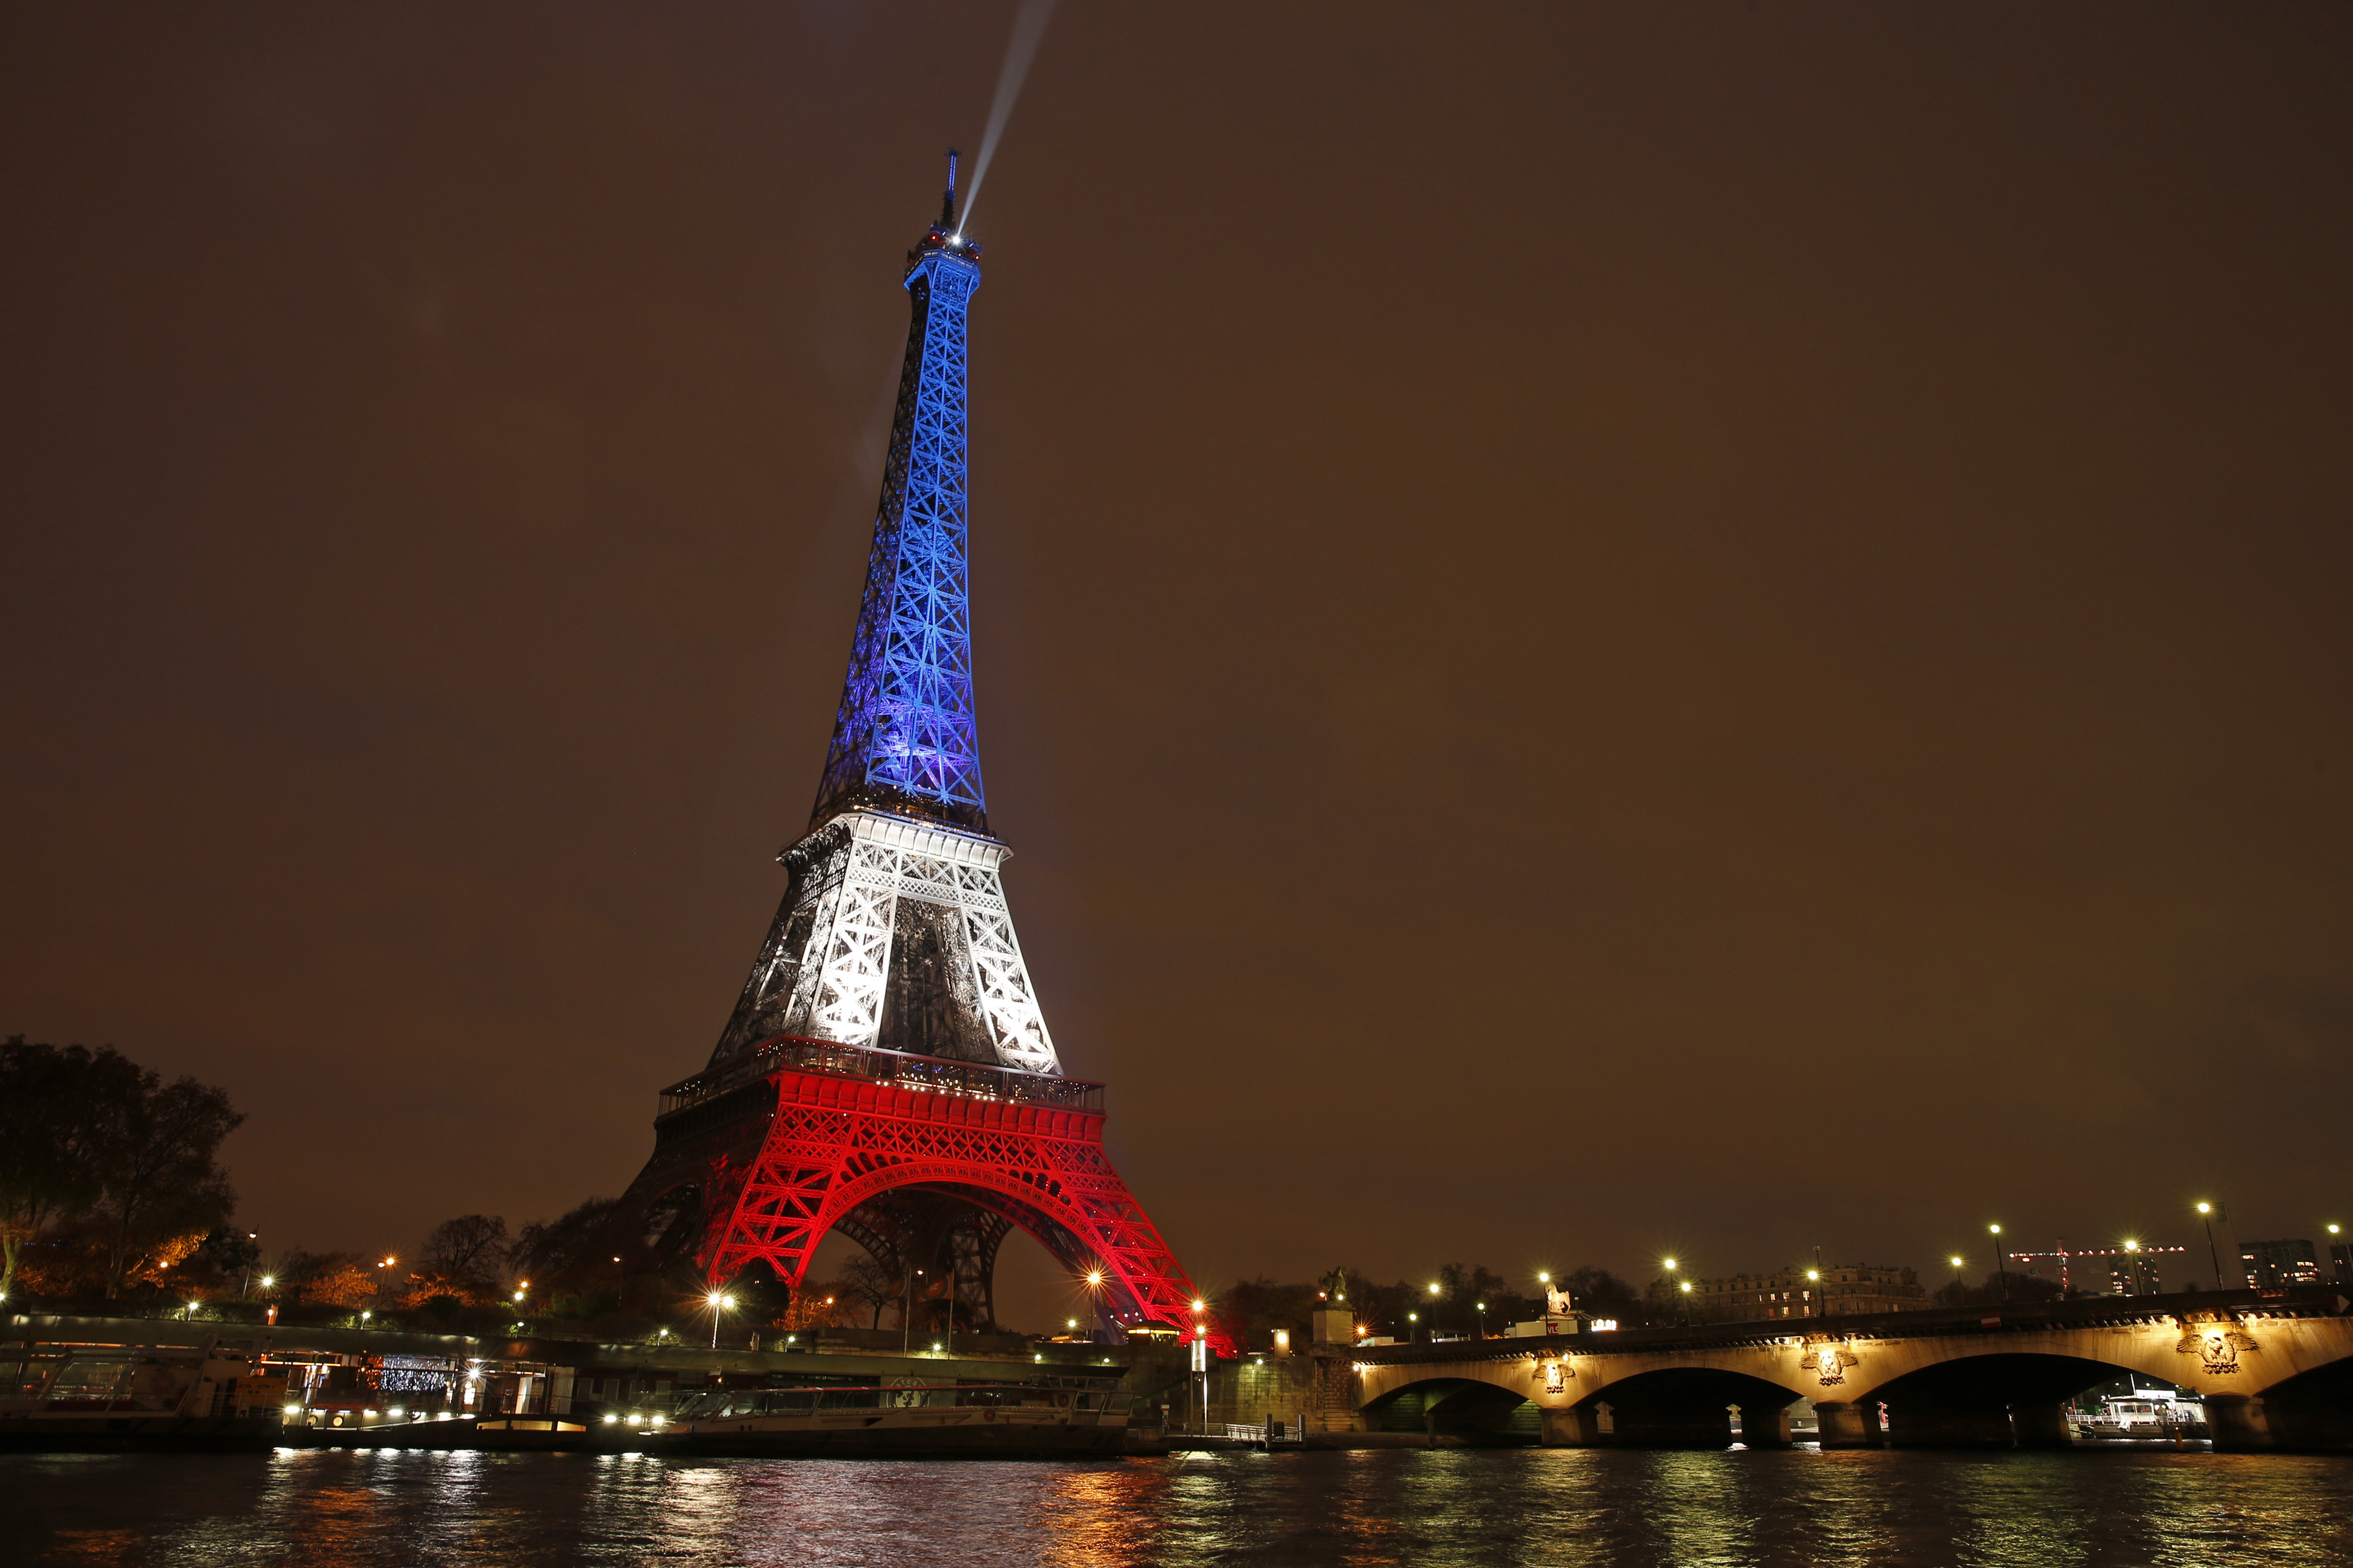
<point>2145,1414</point>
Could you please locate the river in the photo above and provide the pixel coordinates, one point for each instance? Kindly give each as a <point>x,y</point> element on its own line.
<point>1627,1508</point>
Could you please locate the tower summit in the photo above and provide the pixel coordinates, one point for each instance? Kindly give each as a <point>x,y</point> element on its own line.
<point>887,1070</point>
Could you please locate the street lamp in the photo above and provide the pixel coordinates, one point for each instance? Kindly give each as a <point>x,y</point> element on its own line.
<point>1815,1275</point>
<point>1412,1333</point>
<point>718,1304</point>
<point>1685,1287</point>
<point>2206,1213</point>
<point>2001,1263</point>
<point>1481,1310</point>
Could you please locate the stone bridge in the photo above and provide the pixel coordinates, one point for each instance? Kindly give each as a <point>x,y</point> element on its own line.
<point>2275,1369</point>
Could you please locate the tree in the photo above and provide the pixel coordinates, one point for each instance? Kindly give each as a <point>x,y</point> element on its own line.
<point>1600,1293</point>
<point>815,1306</point>
<point>864,1279</point>
<point>92,1133</point>
<point>327,1279</point>
<point>227,1259</point>
<point>159,1179</point>
<point>51,1119</point>
<point>463,1257</point>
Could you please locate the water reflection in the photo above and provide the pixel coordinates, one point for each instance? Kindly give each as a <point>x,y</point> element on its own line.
<point>1578,1508</point>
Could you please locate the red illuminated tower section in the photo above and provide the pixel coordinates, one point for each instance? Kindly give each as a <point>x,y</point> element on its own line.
<point>888,1072</point>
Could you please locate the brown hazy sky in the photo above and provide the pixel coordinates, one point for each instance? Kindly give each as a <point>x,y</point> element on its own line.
<point>1601,628</point>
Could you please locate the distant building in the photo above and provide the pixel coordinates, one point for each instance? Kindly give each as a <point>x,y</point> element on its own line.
<point>1843,1289</point>
<point>2271,1264</point>
<point>2340,1261</point>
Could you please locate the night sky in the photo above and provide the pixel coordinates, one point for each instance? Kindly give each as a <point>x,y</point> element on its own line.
<point>1601,629</point>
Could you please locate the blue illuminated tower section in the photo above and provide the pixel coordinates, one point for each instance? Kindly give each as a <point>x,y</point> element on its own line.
<point>906,736</point>
<point>895,931</point>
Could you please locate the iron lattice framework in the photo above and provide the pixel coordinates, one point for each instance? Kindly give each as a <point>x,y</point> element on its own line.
<point>839,1142</point>
<point>888,1040</point>
<point>906,732</point>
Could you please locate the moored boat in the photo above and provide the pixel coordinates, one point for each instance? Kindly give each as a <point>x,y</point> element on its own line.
<point>1051,1418</point>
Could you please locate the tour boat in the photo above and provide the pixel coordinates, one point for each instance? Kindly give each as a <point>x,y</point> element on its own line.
<point>1056,1417</point>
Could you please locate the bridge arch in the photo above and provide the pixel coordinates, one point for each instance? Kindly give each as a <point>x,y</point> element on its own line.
<point>1685,1406</point>
<point>1471,1408</point>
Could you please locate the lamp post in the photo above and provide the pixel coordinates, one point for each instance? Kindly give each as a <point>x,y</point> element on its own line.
<point>1815,1275</point>
<point>718,1304</point>
<point>1411,1332</point>
<point>1685,1287</point>
<point>2206,1213</point>
<point>1669,1264</point>
<point>2001,1265</point>
<point>907,1311</point>
<point>1481,1309</point>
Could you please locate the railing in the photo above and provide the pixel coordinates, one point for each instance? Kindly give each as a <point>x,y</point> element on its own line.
<point>932,1075</point>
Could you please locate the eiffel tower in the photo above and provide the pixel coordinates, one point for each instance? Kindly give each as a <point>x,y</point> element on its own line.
<point>887,1071</point>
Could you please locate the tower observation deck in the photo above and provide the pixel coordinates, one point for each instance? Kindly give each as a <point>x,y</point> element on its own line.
<point>887,1070</point>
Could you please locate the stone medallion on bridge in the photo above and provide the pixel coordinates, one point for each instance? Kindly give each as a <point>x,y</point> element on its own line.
<point>2217,1344</point>
<point>1829,1361</point>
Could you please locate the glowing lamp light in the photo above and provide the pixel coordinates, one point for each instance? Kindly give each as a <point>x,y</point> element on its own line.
<point>1669,1262</point>
<point>1994,1228</point>
<point>1685,1286</point>
<point>517,1295</point>
<point>365,1315</point>
<point>267,1281</point>
<point>2205,1208</point>
<point>611,1419</point>
<point>293,1410</point>
<point>2132,1246</point>
<point>1199,1305</point>
<point>1543,1278</point>
<point>1096,1278</point>
<point>1954,1261</point>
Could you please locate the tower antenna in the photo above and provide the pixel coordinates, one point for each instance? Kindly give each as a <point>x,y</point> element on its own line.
<point>947,202</point>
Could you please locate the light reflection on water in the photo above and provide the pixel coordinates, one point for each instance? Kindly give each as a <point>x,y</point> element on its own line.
<point>1581,1508</point>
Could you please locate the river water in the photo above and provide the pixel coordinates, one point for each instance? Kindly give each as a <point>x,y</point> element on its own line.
<point>1425,1509</point>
